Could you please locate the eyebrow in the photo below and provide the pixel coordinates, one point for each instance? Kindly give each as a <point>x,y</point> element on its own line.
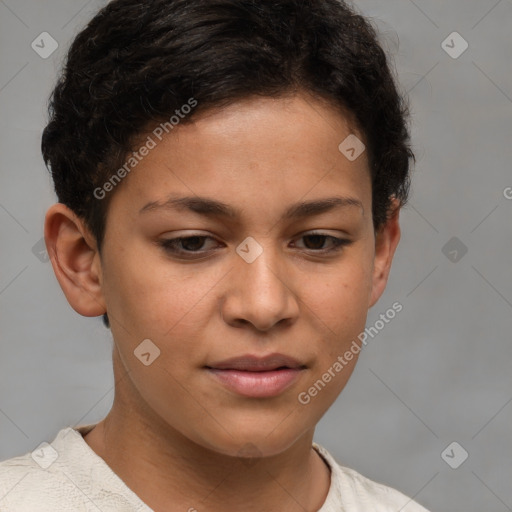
<point>213,208</point>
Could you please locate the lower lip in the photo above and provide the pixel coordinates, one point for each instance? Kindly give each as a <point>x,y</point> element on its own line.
<point>257,384</point>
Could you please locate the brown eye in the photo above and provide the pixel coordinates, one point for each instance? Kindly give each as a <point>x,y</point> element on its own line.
<point>192,243</point>
<point>183,246</point>
<point>315,242</point>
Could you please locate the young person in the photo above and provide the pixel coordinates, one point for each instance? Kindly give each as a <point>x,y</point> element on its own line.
<point>229,177</point>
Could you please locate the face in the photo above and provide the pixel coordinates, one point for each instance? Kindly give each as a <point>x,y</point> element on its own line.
<point>242,246</point>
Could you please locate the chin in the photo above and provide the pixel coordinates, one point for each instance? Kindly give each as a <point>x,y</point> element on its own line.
<point>256,441</point>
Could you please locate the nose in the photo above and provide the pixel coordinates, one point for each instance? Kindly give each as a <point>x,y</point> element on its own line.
<point>260,293</point>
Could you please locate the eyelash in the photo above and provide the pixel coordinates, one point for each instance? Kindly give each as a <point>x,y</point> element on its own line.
<point>169,245</point>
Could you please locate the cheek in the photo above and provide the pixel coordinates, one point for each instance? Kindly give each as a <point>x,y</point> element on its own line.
<point>340,299</point>
<point>151,296</point>
<point>341,305</point>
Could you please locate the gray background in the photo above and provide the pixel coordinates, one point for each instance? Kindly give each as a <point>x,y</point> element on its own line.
<point>438,373</point>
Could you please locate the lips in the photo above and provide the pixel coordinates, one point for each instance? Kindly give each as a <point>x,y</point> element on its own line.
<point>252,363</point>
<point>257,377</point>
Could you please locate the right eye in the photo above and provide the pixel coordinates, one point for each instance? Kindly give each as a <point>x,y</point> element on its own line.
<point>185,245</point>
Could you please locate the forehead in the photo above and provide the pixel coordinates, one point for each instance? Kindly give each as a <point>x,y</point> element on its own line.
<point>254,152</point>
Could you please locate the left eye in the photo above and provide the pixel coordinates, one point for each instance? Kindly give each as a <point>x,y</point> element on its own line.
<point>318,239</point>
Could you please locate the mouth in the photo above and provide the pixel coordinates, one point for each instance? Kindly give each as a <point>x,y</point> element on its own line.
<point>257,377</point>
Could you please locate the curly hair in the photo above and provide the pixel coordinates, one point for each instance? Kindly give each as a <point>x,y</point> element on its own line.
<point>137,62</point>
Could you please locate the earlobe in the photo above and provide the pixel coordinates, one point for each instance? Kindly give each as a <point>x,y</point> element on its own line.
<point>386,242</point>
<point>75,260</point>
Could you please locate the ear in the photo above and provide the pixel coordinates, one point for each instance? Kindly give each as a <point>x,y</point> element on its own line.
<point>75,260</point>
<point>386,241</point>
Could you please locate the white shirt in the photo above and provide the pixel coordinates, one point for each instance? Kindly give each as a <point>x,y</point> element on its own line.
<point>67,475</point>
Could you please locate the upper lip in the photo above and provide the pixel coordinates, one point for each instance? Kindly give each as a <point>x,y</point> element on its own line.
<point>254,363</point>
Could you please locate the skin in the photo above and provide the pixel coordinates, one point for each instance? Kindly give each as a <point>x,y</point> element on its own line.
<point>175,434</point>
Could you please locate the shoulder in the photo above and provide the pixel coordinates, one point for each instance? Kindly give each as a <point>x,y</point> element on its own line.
<point>61,476</point>
<point>48,479</point>
<point>23,482</point>
<point>351,489</point>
